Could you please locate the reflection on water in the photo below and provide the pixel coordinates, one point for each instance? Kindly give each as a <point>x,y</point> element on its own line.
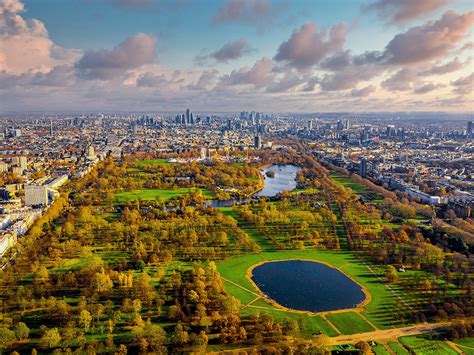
<point>307,285</point>
<point>284,180</point>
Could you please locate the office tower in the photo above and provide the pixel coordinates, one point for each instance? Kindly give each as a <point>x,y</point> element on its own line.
<point>51,127</point>
<point>229,124</point>
<point>470,129</point>
<point>390,131</point>
<point>36,195</point>
<point>187,116</point>
<point>339,126</point>
<point>257,141</point>
<point>363,167</point>
<point>310,124</point>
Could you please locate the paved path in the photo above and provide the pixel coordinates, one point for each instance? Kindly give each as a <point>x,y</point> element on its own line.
<point>389,333</point>
<point>455,347</point>
<point>242,287</point>
<point>390,289</point>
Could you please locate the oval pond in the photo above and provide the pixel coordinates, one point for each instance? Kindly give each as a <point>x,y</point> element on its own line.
<point>307,285</point>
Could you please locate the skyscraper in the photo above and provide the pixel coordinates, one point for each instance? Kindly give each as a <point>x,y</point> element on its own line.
<point>257,141</point>
<point>363,167</point>
<point>470,129</point>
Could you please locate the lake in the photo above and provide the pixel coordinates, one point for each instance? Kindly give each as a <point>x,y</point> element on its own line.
<point>307,285</point>
<point>284,180</point>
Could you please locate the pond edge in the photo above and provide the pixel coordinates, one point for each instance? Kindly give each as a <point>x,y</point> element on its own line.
<point>359,307</point>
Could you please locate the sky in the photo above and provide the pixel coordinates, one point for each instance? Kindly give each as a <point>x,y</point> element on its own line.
<point>233,55</point>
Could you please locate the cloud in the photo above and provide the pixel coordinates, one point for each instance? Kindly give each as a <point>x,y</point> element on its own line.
<point>258,75</point>
<point>400,81</point>
<point>242,11</point>
<point>426,88</point>
<point>103,64</point>
<point>401,11</point>
<point>307,47</point>
<point>464,85</point>
<point>232,50</point>
<point>25,44</point>
<point>337,61</point>
<point>289,81</point>
<point>350,77</point>
<point>429,41</point>
<point>59,76</point>
<point>206,80</point>
<point>152,80</point>
<point>364,92</point>
<point>449,67</point>
<point>311,84</point>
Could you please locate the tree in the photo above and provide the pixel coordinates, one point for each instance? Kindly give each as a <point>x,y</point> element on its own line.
<point>102,282</point>
<point>290,327</point>
<point>21,331</point>
<point>391,274</point>
<point>51,338</point>
<point>85,319</point>
<point>320,344</point>
<point>426,284</point>
<point>7,338</point>
<point>364,347</point>
<point>180,336</point>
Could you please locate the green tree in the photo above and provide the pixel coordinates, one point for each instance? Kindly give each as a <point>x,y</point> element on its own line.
<point>7,338</point>
<point>391,274</point>
<point>21,331</point>
<point>51,338</point>
<point>85,319</point>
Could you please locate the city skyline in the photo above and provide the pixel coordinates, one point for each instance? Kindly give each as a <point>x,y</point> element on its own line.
<point>273,56</point>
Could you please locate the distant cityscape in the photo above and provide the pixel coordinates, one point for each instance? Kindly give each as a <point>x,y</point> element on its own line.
<point>39,153</point>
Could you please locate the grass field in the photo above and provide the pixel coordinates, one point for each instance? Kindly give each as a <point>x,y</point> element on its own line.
<point>466,345</point>
<point>142,163</point>
<point>379,349</point>
<point>424,345</point>
<point>151,194</point>
<point>350,323</point>
<point>397,348</point>
<point>358,188</point>
<point>377,311</point>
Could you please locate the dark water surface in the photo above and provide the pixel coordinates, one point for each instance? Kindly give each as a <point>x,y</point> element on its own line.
<point>307,285</point>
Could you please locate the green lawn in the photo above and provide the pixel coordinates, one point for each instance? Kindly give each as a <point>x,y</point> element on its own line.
<point>151,194</point>
<point>350,323</point>
<point>397,348</point>
<point>379,349</point>
<point>146,162</point>
<point>378,311</point>
<point>424,345</point>
<point>466,345</point>
<point>357,188</point>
